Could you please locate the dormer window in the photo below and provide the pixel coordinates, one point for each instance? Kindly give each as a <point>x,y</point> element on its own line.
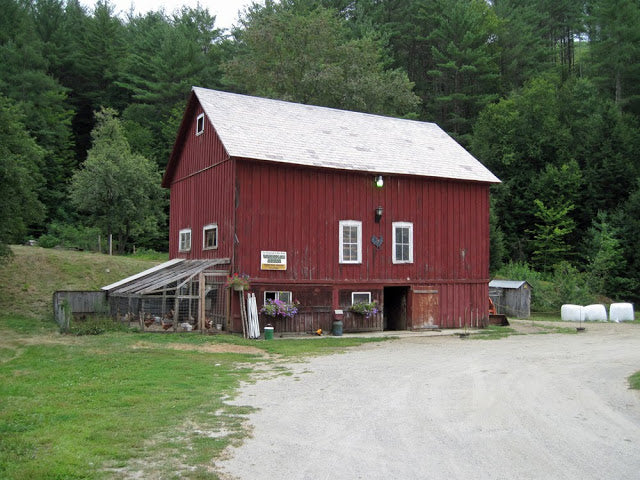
<point>200,124</point>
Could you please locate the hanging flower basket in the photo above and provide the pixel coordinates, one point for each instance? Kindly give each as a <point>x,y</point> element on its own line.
<point>238,282</point>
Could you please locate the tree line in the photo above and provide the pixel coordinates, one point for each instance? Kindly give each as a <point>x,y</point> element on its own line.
<point>545,93</point>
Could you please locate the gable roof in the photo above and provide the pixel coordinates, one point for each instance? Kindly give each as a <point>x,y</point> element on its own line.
<point>293,133</point>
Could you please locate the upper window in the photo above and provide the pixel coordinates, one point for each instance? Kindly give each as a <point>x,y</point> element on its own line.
<point>210,236</point>
<point>402,242</point>
<point>360,297</point>
<point>350,241</point>
<point>200,124</point>
<point>282,296</point>
<point>185,240</point>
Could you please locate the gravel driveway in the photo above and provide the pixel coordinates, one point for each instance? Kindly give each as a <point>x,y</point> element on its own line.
<point>552,406</point>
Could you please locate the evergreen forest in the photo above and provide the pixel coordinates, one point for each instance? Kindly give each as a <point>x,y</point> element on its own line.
<point>546,93</point>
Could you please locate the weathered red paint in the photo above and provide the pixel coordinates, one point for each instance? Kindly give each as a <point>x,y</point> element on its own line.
<point>261,205</point>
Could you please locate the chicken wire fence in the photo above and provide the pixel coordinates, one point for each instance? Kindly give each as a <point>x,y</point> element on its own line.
<point>177,306</point>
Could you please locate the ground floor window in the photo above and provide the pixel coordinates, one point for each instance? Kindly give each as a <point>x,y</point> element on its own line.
<point>360,297</point>
<point>282,296</point>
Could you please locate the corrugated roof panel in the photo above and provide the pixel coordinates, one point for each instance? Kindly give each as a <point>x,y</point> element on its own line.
<point>275,130</point>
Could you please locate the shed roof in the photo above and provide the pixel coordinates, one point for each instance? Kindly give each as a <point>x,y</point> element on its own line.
<point>511,284</point>
<point>156,278</point>
<point>293,133</point>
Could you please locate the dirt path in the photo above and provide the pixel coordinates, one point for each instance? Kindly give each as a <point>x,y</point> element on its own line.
<point>527,407</point>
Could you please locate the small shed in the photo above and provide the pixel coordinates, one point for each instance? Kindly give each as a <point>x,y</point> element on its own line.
<point>511,297</point>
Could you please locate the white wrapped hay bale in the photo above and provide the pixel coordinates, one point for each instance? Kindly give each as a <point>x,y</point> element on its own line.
<point>621,312</point>
<point>595,313</point>
<point>572,313</point>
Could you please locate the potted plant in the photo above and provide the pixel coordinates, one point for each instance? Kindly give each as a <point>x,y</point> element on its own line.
<point>238,282</point>
<point>278,309</point>
<point>365,308</point>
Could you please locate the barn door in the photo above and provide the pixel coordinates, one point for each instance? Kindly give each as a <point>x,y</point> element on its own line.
<point>395,308</point>
<point>426,309</point>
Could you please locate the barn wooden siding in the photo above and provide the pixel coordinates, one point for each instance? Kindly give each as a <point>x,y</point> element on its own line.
<point>203,181</point>
<point>298,210</point>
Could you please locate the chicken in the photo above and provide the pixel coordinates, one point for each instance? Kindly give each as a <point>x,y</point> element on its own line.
<point>167,325</point>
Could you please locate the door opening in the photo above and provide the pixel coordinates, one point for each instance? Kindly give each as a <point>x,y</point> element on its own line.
<point>395,308</point>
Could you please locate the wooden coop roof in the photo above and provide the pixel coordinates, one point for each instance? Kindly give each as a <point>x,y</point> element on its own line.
<point>178,271</point>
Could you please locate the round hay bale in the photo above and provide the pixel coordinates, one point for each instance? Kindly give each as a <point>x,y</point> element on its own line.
<point>595,313</point>
<point>621,312</point>
<point>572,313</point>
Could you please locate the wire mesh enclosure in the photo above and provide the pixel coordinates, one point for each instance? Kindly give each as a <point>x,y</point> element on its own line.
<point>185,296</point>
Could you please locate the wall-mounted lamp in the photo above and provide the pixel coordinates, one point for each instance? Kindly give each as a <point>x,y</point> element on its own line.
<point>379,181</point>
<point>378,214</point>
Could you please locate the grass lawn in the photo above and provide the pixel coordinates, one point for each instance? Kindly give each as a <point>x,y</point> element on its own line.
<point>120,403</point>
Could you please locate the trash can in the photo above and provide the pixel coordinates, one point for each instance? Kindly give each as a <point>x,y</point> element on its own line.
<point>337,328</point>
<point>268,332</point>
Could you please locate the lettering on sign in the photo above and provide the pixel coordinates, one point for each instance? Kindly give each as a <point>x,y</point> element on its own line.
<point>271,260</point>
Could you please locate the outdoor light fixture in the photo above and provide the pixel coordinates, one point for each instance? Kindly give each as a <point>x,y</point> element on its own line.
<point>378,214</point>
<point>379,181</point>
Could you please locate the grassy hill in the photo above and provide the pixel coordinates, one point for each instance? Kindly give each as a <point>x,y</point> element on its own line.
<point>28,280</point>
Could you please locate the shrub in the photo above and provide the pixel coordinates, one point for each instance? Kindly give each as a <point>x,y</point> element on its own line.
<point>95,326</point>
<point>70,236</point>
<point>48,241</point>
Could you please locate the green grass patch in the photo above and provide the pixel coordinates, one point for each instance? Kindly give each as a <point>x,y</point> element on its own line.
<point>70,408</point>
<point>634,381</point>
<point>90,406</point>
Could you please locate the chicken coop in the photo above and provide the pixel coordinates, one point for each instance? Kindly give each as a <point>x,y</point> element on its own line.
<point>179,295</point>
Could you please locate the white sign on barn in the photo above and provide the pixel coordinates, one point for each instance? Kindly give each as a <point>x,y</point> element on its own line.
<point>273,260</point>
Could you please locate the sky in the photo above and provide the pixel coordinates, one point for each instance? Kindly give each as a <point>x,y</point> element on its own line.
<point>226,11</point>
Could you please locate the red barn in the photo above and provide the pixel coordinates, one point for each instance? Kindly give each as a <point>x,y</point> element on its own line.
<point>331,208</point>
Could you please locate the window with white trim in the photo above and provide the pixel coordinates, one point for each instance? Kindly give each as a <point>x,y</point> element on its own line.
<point>200,124</point>
<point>210,236</point>
<point>185,240</point>
<point>350,241</point>
<point>360,297</point>
<point>402,242</point>
<point>282,296</point>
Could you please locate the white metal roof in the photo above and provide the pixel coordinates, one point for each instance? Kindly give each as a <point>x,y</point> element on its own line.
<point>515,284</point>
<point>286,132</point>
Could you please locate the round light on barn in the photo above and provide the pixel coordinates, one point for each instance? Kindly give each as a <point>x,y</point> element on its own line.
<point>379,181</point>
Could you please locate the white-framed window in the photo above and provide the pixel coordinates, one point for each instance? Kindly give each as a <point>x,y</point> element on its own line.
<point>200,124</point>
<point>360,297</point>
<point>282,296</point>
<point>350,241</point>
<point>185,240</point>
<point>210,236</point>
<point>402,242</point>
